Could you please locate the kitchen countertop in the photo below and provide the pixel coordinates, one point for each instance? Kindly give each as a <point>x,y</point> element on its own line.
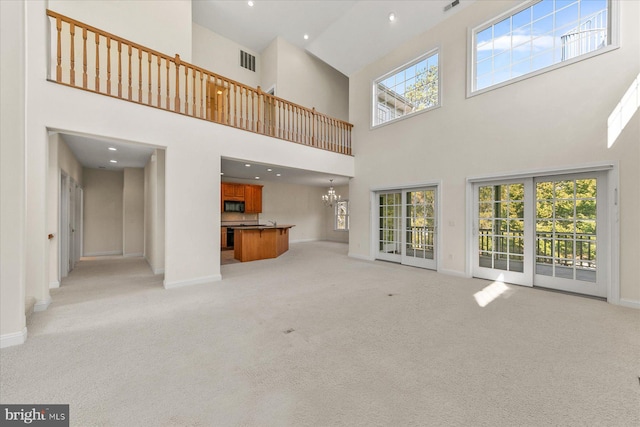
<point>259,226</point>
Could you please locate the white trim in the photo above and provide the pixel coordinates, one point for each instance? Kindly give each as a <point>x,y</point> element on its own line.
<point>53,285</point>
<point>196,281</point>
<point>157,271</point>
<point>42,304</point>
<point>15,338</point>
<point>455,273</point>
<point>106,253</point>
<point>537,173</point>
<point>304,240</point>
<point>134,255</point>
<point>360,257</point>
<point>629,303</point>
<point>614,33</point>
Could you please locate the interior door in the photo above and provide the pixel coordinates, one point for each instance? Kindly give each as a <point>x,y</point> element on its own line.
<point>419,249</point>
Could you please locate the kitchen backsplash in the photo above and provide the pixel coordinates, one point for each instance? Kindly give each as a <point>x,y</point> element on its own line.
<point>236,217</point>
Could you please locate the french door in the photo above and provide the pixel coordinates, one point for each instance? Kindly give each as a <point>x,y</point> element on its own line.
<point>407,226</point>
<point>546,231</point>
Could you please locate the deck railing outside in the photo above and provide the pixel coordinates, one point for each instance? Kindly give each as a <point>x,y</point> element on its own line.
<point>94,60</point>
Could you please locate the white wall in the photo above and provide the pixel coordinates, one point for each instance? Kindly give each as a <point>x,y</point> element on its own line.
<point>12,174</point>
<point>557,119</point>
<point>162,25</point>
<point>154,211</point>
<point>305,80</point>
<point>133,212</point>
<point>103,212</point>
<point>222,56</point>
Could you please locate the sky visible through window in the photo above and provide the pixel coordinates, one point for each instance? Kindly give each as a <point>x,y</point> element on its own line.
<point>544,34</point>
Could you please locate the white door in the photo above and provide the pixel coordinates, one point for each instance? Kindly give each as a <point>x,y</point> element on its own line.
<point>407,226</point>
<point>546,231</point>
<point>64,225</point>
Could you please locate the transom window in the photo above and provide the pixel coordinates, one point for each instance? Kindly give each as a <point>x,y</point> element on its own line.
<point>544,34</point>
<point>407,90</point>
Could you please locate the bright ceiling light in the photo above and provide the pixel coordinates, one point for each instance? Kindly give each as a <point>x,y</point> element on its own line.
<point>250,3</point>
<point>306,36</point>
<point>392,17</point>
<point>269,170</point>
<point>278,174</point>
<point>257,177</point>
<point>113,161</point>
<point>113,149</point>
<point>221,173</point>
<point>247,165</point>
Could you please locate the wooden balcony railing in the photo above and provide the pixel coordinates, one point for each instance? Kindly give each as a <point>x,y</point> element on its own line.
<point>94,60</point>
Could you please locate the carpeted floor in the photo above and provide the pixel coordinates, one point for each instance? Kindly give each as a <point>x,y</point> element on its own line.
<point>314,338</point>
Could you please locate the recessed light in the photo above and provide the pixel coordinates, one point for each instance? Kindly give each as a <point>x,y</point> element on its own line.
<point>257,177</point>
<point>113,149</point>
<point>269,170</point>
<point>221,173</point>
<point>392,17</point>
<point>247,165</point>
<point>113,161</point>
<point>278,174</point>
<point>306,36</point>
<point>250,3</point>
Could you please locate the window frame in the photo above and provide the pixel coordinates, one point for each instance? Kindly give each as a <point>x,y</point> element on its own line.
<point>346,216</point>
<point>614,43</point>
<point>374,83</point>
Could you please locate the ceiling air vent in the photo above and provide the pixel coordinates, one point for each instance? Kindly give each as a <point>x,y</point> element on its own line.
<point>248,61</point>
<point>454,4</point>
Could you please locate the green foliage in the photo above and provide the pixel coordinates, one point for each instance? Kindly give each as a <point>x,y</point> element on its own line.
<point>424,92</point>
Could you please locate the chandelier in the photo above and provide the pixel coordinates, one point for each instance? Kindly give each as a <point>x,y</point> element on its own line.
<point>331,197</point>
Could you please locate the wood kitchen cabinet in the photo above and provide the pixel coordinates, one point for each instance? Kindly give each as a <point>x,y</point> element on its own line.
<point>252,198</point>
<point>231,191</point>
<point>223,237</point>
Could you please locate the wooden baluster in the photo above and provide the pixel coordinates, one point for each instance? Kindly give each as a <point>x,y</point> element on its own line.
<point>130,77</point>
<point>159,83</point>
<point>72,72</point>
<point>177,101</point>
<point>235,106</point>
<point>227,101</point>
<point>186,89</point>
<point>194,111</point>
<point>246,108</point>
<point>260,101</point>
<point>97,88</point>
<point>214,95</point>
<point>119,69</point>
<point>149,95</point>
<point>168,86</point>
<point>254,125</point>
<point>84,58</point>
<point>202,95</point>
<point>108,65</point>
<point>59,50</point>
<point>176,105</point>
<point>139,75</point>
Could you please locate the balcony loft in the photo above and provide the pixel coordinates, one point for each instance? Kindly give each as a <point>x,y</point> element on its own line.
<point>88,58</point>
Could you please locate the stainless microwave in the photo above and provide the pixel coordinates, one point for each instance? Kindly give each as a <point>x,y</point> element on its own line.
<point>233,206</point>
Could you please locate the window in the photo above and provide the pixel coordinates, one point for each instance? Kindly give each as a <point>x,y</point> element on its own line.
<point>536,37</point>
<point>342,216</point>
<point>407,90</point>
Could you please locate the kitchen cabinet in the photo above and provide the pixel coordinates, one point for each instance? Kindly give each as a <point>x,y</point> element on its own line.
<point>231,191</point>
<point>223,237</point>
<point>252,198</point>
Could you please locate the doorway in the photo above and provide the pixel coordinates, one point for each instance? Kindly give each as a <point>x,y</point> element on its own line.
<point>71,213</point>
<point>407,226</point>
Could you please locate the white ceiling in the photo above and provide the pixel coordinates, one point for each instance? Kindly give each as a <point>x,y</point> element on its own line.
<point>348,35</point>
<point>237,169</point>
<point>94,152</point>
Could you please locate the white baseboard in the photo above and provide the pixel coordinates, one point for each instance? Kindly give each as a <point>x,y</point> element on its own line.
<point>630,303</point>
<point>134,255</point>
<point>15,338</point>
<point>455,273</point>
<point>358,256</point>
<point>304,240</point>
<point>53,285</point>
<point>42,305</point>
<point>108,253</point>
<point>157,271</point>
<point>190,282</point>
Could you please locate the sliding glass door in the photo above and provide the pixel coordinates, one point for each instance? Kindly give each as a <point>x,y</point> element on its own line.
<point>407,226</point>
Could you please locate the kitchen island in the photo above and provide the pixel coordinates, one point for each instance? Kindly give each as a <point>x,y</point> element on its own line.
<point>256,242</point>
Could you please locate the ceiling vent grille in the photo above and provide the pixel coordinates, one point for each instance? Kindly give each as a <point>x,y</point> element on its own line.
<point>247,61</point>
<point>454,4</point>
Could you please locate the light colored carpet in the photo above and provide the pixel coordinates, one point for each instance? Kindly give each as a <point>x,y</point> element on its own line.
<point>314,338</point>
